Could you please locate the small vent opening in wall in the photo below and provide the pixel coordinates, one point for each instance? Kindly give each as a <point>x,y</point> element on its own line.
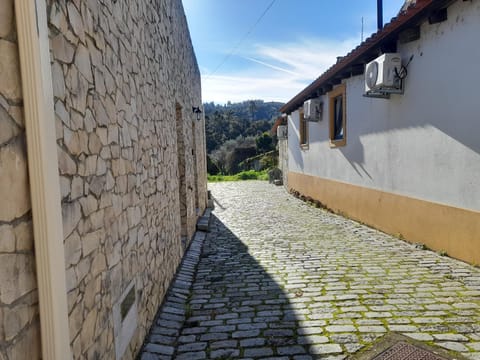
<point>127,303</point>
<point>125,319</point>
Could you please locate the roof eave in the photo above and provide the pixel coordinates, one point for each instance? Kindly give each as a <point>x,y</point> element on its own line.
<point>411,17</point>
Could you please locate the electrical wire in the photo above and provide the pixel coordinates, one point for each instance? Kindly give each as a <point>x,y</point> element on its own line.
<point>237,45</point>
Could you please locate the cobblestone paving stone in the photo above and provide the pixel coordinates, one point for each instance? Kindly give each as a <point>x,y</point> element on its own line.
<point>279,279</point>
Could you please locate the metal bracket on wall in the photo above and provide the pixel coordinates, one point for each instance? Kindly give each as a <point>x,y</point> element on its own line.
<point>385,93</point>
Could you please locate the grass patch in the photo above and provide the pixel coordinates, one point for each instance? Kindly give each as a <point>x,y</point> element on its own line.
<point>244,175</point>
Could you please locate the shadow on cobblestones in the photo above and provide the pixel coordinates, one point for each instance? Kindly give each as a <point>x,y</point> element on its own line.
<point>278,279</point>
<point>236,307</point>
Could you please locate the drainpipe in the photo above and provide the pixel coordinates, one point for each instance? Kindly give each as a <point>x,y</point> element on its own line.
<point>379,14</point>
<point>31,19</point>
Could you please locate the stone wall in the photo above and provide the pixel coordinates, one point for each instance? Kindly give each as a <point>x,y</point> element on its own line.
<point>119,70</point>
<point>19,320</point>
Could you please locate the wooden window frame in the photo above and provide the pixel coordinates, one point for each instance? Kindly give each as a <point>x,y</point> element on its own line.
<point>340,90</point>
<point>303,131</point>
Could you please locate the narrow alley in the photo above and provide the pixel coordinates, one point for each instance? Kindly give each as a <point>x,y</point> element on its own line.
<point>277,278</point>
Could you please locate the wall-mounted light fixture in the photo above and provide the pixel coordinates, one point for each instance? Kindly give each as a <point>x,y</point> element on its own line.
<point>196,110</point>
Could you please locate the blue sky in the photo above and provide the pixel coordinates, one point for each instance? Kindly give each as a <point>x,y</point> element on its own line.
<point>295,42</point>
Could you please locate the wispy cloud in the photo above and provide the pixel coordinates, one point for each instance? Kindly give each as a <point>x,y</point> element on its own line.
<point>271,66</point>
<point>278,71</point>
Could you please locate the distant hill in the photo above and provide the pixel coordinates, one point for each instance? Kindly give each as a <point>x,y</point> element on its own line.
<point>246,118</point>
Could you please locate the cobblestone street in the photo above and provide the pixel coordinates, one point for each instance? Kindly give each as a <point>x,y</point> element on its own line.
<point>280,279</point>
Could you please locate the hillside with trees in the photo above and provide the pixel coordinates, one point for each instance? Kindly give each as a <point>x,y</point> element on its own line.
<point>238,131</point>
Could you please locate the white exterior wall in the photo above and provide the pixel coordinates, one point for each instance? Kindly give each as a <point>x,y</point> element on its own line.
<point>425,143</point>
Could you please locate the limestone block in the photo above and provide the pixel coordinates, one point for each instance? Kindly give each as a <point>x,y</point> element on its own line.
<point>70,279</point>
<point>92,289</point>
<point>91,241</point>
<point>83,139</point>
<point>114,255</point>
<point>58,81</point>
<point>100,82</point>
<point>63,50</point>
<point>72,249</point>
<point>101,116</point>
<point>113,137</point>
<point>89,205</point>
<point>111,110</point>
<point>6,17</point>
<point>10,86</point>
<point>76,21</point>
<point>16,112</point>
<point>16,319</point>
<point>97,219</point>
<point>8,128</point>
<point>58,128</point>
<point>95,54</point>
<point>65,185</point>
<point>121,183</point>
<point>66,165</point>
<point>75,319</point>
<point>77,86</point>
<point>77,187</point>
<point>101,166</point>
<point>82,62</point>
<point>7,239</point>
<point>105,200</point>
<point>105,153</point>
<point>14,191</point>
<point>134,216</point>
<point>24,236</point>
<point>62,113</point>
<point>94,143</point>
<point>102,135</point>
<point>27,346</point>
<point>76,120</point>
<point>17,276</point>
<point>57,18</point>
<point>89,121</point>
<point>99,264</point>
<point>97,185</point>
<point>72,141</point>
<point>83,268</point>
<point>88,329</point>
<point>71,215</point>
<point>110,181</point>
<point>91,165</point>
<point>88,19</point>
<point>109,82</point>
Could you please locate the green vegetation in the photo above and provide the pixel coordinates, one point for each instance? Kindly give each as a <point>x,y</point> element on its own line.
<point>238,136</point>
<point>245,119</point>
<point>243,175</point>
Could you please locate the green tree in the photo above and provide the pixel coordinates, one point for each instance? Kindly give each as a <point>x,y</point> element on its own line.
<point>264,143</point>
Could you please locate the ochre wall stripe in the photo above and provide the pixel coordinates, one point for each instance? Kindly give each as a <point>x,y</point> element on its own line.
<point>440,227</point>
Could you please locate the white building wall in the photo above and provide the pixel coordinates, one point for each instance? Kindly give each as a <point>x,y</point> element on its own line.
<point>425,143</point>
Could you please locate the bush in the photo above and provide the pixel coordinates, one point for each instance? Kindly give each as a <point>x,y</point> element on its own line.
<point>244,175</point>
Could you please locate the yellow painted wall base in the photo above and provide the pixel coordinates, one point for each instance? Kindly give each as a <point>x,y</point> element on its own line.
<point>440,227</point>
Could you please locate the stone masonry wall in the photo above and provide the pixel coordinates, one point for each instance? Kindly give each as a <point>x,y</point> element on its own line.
<point>19,319</point>
<point>119,68</point>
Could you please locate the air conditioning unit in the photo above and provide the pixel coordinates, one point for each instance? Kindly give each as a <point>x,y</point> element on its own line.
<point>282,132</point>
<point>383,73</point>
<point>312,110</point>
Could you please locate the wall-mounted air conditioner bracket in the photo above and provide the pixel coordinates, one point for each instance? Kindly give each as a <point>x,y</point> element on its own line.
<point>385,93</point>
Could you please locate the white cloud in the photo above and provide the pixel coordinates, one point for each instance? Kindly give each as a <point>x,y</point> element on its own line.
<point>278,72</point>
